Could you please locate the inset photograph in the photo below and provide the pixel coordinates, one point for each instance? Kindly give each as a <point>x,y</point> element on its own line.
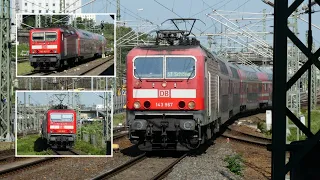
<point>68,45</point>
<point>63,123</point>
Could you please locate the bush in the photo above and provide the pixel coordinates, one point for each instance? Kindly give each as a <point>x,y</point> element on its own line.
<point>235,164</point>
<point>262,126</point>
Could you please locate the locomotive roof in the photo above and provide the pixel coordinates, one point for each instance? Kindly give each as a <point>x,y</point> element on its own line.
<point>60,110</point>
<point>249,71</point>
<point>161,48</point>
<point>80,32</point>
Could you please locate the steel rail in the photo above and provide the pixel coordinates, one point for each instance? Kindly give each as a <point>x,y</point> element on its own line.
<point>26,165</point>
<point>162,174</point>
<point>120,168</point>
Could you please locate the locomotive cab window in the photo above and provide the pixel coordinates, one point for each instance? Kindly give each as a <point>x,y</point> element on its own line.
<point>61,117</point>
<point>51,36</point>
<point>180,67</point>
<point>148,67</point>
<point>38,36</point>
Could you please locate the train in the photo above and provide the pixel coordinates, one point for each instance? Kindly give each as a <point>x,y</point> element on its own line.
<point>59,128</point>
<point>59,47</point>
<point>179,94</point>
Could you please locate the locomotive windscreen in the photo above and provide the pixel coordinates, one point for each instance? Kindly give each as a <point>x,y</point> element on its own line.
<point>57,117</point>
<point>38,36</point>
<point>51,36</point>
<point>148,67</point>
<point>180,67</point>
<point>44,36</point>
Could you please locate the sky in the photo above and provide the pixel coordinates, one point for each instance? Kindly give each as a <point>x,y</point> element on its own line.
<point>157,11</point>
<point>42,98</point>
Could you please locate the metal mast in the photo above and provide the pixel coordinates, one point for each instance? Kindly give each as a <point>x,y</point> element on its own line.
<point>5,73</point>
<point>293,95</point>
<point>118,10</point>
<point>62,6</point>
<point>301,156</point>
<point>38,21</point>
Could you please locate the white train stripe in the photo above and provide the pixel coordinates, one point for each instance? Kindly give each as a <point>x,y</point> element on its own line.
<point>145,93</point>
<point>36,46</point>
<point>54,127</point>
<point>52,46</point>
<point>183,93</point>
<point>67,127</point>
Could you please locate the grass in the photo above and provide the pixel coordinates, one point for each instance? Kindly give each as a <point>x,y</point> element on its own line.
<point>315,125</point>
<point>235,164</point>
<point>21,47</point>
<point>6,146</point>
<point>89,148</point>
<point>32,145</point>
<point>119,118</point>
<point>24,68</point>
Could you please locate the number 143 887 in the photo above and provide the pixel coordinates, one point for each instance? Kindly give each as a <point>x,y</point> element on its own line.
<point>164,104</point>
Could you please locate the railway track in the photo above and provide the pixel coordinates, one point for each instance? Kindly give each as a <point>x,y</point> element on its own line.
<point>30,162</point>
<point>36,73</point>
<point>7,157</point>
<point>136,168</point>
<point>90,68</point>
<point>246,137</point>
<point>64,152</point>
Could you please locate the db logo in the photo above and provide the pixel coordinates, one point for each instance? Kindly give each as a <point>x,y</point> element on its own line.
<point>164,93</point>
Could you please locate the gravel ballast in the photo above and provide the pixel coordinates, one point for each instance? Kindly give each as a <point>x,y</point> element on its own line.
<point>209,165</point>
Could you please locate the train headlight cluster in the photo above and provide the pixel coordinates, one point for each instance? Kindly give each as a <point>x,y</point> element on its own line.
<point>191,104</point>
<point>147,104</point>
<point>136,105</point>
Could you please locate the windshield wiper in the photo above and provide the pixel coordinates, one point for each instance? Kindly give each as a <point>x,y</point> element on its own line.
<point>138,75</point>
<point>191,73</point>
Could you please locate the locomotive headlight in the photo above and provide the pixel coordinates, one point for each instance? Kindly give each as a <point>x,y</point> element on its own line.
<point>164,84</point>
<point>191,104</point>
<point>136,105</point>
<point>55,51</point>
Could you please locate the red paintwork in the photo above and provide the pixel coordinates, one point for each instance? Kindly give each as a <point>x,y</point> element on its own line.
<point>62,130</point>
<point>86,45</point>
<point>196,83</point>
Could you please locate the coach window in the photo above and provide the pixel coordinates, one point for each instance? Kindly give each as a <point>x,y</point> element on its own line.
<point>180,67</point>
<point>148,67</point>
<point>38,36</point>
<point>51,36</point>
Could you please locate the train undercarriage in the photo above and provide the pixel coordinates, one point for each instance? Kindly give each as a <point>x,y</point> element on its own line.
<point>170,130</point>
<point>61,141</point>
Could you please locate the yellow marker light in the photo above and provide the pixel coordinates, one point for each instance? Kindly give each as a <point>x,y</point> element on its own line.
<point>191,104</point>
<point>136,105</point>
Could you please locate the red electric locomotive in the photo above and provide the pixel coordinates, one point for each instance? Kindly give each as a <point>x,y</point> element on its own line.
<point>60,128</point>
<point>179,94</point>
<point>53,48</point>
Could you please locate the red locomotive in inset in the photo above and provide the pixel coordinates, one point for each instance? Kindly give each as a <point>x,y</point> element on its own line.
<point>179,94</point>
<point>59,128</point>
<point>54,48</point>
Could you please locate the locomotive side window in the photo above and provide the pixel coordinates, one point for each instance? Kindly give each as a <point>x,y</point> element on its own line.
<point>61,117</point>
<point>51,36</point>
<point>148,67</point>
<point>38,36</point>
<point>180,67</point>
